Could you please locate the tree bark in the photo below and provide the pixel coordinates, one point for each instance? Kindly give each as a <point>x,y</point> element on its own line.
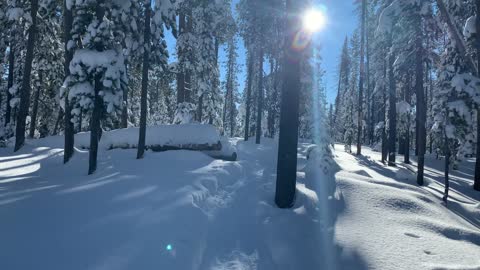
<point>288,137</point>
<point>362,75</point>
<point>143,101</point>
<point>258,132</point>
<point>476,184</point>
<point>25,92</point>
<point>95,128</point>
<point>251,57</point>
<point>69,127</point>
<point>406,158</point>
<point>421,112</point>
<point>33,120</point>
<point>384,114</point>
<point>392,112</point>
<point>181,73</point>
<point>11,70</point>
<point>124,120</point>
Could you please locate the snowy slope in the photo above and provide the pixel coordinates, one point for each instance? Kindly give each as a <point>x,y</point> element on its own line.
<point>184,210</point>
<point>396,225</point>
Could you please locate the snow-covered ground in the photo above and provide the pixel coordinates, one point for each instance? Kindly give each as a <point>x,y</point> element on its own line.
<point>185,210</point>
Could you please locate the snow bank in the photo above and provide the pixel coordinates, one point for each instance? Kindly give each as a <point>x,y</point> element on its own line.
<point>158,138</point>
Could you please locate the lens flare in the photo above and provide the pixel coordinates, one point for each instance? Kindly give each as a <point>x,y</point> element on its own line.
<point>314,20</point>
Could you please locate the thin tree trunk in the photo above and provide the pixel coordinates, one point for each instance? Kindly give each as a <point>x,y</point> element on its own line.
<point>69,127</point>
<point>476,184</point>
<point>384,115</point>
<point>408,98</point>
<point>181,73</point>
<point>33,120</point>
<point>392,113</point>
<point>124,120</point>
<point>421,112</point>
<point>11,70</point>
<point>362,75</point>
<point>447,169</point>
<point>95,126</point>
<point>251,57</point>
<point>258,132</point>
<point>288,138</point>
<point>95,129</point>
<point>143,101</point>
<point>25,93</point>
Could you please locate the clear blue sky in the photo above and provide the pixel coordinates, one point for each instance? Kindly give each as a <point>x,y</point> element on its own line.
<point>341,22</point>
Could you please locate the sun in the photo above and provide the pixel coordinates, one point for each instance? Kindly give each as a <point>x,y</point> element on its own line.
<point>314,20</point>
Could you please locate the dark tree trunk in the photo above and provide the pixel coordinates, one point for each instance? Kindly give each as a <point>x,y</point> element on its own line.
<point>421,111</point>
<point>95,128</point>
<point>143,101</point>
<point>447,169</point>
<point>408,98</point>
<point>476,184</point>
<point>288,138</point>
<point>258,133</point>
<point>124,120</point>
<point>11,70</point>
<point>69,127</point>
<point>25,92</point>
<point>33,120</point>
<point>392,112</point>
<point>95,132</point>
<point>384,115</point>
<point>362,75</point>
<point>370,101</point>
<point>251,57</point>
<point>181,73</point>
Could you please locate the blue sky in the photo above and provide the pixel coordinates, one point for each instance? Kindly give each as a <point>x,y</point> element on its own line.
<point>341,22</point>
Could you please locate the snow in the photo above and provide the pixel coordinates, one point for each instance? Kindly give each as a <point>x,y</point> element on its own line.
<point>162,135</point>
<point>185,210</point>
<point>470,27</point>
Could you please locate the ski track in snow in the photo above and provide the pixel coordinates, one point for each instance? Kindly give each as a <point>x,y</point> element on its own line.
<point>184,210</point>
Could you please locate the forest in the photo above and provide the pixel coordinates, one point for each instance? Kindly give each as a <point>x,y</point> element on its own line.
<point>208,134</point>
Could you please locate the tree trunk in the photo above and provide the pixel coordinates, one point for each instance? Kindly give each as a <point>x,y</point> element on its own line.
<point>95,129</point>
<point>33,120</point>
<point>362,75</point>
<point>95,126</point>
<point>476,184</point>
<point>69,127</point>
<point>288,137</point>
<point>258,132</point>
<point>384,114</point>
<point>124,120</point>
<point>408,98</point>
<point>11,70</point>
<point>392,112</point>
<point>251,57</point>
<point>447,169</point>
<point>25,93</point>
<point>181,73</point>
<point>143,101</point>
<point>421,112</point>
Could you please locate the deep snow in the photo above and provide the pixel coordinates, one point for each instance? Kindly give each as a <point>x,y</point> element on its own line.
<point>185,210</point>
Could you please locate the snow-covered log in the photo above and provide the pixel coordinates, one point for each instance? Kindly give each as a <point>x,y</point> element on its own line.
<point>194,137</point>
<point>228,152</point>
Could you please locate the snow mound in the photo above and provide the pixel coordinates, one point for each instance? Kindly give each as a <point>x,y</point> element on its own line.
<point>189,136</point>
